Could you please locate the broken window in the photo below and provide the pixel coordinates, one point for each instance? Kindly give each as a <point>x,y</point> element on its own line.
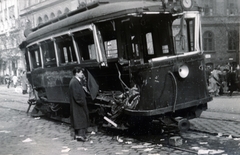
<point>85,43</point>
<point>49,53</point>
<point>35,57</point>
<point>66,50</point>
<point>183,35</point>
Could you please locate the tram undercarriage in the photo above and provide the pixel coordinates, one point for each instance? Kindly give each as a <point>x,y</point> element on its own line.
<point>109,110</point>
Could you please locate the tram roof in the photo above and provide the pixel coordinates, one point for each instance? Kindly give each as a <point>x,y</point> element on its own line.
<point>99,13</point>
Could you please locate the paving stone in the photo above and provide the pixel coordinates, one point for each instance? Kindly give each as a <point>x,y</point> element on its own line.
<point>175,141</point>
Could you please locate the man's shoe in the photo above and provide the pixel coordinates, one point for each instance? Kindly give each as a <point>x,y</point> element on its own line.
<point>81,139</point>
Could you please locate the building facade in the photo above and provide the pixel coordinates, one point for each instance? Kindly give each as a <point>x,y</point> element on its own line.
<point>9,38</point>
<point>36,12</point>
<point>220,28</point>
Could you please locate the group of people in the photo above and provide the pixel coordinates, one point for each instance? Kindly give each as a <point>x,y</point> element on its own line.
<point>223,80</point>
<point>9,80</point>
<point>15,80</point>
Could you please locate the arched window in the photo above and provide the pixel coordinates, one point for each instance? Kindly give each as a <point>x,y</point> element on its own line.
<point>52,15</point>
<point>45,18</point>
<point>40,21</point>
<point>66,10</point>
<point>232,40</point>
<point>59,13</point>
<point>208,41</point>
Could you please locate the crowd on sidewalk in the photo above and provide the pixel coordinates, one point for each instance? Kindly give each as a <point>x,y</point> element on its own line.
<point>223,80</point>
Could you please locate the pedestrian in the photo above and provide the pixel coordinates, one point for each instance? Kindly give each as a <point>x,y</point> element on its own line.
<point>232,82</point>
<point>224,80</point>
<point>14,79</point>
<point>8,80</point>
<point>24,82</point>
<point>208,73</point>
<point>216,83</point>
<point>79,114</point>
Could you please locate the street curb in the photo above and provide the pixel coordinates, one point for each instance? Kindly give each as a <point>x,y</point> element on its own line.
<point>220,116</point>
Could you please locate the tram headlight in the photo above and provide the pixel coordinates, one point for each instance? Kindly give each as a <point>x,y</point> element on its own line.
<point>182,70</point>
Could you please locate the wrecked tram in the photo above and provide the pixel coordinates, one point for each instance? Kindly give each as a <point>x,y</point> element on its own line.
<point>143,61</point>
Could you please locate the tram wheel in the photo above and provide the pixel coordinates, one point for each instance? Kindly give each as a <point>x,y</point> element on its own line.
<point>183,124</point>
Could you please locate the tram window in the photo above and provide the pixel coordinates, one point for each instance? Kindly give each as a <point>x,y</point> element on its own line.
<point>66,50</point>
<point>92,52</point>
<point>111,48</point>
<point>107,34</point>
<point>86,46</point>
<point>27,61</point>
<point>49,54</point>
<point>179,30</point>
<point>149,40</point>
<point>135,46</point>
<point>191,26</point>
<point>35,56</point>
<point>183,35</point>
<point>156,37</point>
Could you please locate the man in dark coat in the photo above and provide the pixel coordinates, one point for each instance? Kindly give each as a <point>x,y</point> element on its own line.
<point>232,82</point>
<point>78,105</point>
<point>8,80</point>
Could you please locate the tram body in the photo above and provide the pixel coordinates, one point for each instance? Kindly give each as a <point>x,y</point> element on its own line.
<point>143,59</point>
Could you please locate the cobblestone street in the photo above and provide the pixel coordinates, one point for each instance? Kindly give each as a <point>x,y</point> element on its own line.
<point>44,137</point>
<point>22,134</point>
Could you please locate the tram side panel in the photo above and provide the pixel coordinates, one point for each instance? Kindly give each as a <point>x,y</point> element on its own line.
<point>52,83</point>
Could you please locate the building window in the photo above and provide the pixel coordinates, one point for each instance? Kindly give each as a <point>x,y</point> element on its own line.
<point>40,21</point>
<point>59,13</point>
<point>1,22</point>
<point>232,40</point>
<point>52,15</point>
<point>11,12</point>
<point>0,6</point>
<point>232,7</point>
<point>5,14</point>
<point>66,10</point>
<point>208,41</point>
<point>45,18</point>
<point>11,17</point>
<point>208,7</point>
<point>27,3</point>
